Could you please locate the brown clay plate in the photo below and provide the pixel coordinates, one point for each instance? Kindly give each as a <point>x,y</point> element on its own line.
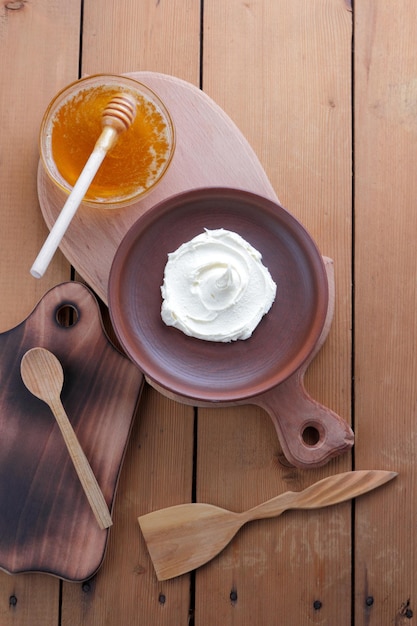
<point>211,371</point>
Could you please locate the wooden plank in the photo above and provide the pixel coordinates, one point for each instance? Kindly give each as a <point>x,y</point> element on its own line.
<point>385,318</point>
<point>282,71</point>
<point>127,37</point>
<point>28,32</point>
<point>268,66</point>
<point>39,51</point>
<point>148,35</point>
<point>156,473</point>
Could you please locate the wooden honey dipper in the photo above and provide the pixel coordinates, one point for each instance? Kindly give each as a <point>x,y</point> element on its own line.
<point>117,117</point>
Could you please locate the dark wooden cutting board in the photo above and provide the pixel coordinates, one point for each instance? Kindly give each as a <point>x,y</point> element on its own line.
<point>46,524</point>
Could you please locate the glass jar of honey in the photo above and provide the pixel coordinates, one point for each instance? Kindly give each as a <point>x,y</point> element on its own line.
<point>72,124</point>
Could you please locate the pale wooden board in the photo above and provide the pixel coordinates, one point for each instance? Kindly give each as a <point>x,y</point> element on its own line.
<point>385,321</point>
<point>31,34</point>
<point>210,151</point>
<point>281,70</point>
<point>150,35</point>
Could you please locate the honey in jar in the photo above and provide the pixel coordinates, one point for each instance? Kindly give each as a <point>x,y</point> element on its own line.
<point>133,166</point>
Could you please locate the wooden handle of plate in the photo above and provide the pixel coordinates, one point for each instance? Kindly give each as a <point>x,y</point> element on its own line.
<point>310,434</point>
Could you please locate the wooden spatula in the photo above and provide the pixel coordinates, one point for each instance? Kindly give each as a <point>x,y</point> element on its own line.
<point>183,537</point>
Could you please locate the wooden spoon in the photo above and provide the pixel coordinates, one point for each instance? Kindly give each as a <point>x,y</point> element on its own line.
<point>117,117</point>
<point>183,537</point>
<point>43,375</point>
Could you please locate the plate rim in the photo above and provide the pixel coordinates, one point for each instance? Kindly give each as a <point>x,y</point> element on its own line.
<point>157,212</point>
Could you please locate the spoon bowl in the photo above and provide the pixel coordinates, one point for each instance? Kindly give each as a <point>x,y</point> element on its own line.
<point>42,374</point>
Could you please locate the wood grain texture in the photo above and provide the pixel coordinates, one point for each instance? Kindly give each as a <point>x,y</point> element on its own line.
<point>129,37</point>
<point>47,524</point>
<point>282,71</point>
<point>157,471</point>
<point>31,34</point>
<point>385,320</point>
<point>210,151</point>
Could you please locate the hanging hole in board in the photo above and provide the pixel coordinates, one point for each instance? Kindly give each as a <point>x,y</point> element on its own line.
<point>67,315</point>
<point>312,435</point>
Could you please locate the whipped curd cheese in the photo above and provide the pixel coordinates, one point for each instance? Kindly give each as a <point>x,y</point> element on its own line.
<point>216,288</point>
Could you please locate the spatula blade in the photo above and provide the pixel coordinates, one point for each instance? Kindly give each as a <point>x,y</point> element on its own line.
<point>183,537</point>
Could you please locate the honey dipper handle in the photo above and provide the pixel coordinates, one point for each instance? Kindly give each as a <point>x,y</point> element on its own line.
<point>117,117</point>
<point>69,209</point>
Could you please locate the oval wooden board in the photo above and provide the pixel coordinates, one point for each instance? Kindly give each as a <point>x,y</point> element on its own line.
<point>210,152</point>
<point>46,523</point>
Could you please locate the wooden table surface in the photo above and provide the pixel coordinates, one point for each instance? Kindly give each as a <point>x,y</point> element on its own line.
<point>326,96</point>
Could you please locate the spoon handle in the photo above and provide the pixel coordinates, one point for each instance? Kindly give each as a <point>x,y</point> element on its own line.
<point>330,490</point>
<point>82,466</point>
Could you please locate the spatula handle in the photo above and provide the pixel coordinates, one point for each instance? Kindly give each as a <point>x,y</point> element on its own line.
<point>83,468</point>
<point>330,490</point>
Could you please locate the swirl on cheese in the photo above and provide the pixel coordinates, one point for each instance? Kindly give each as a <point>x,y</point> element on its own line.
<point>216,288</point>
